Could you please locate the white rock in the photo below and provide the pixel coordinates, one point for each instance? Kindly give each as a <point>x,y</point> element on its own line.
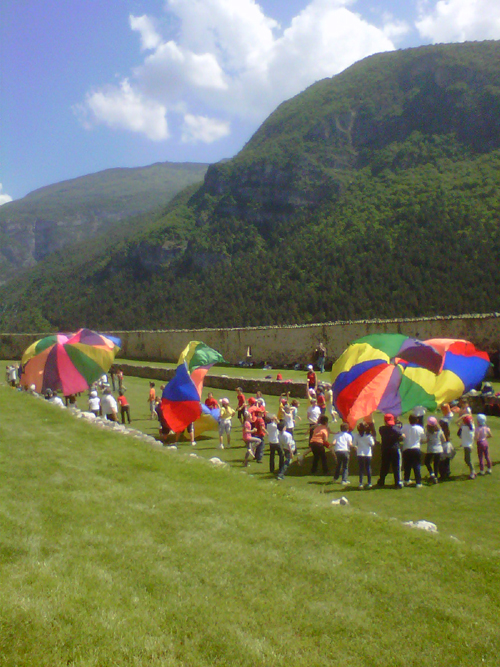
<point>172,447</point>
<point>87,415</point>
<point>340,501</point>
<point>422,525</point>
<point>216,461</point>
<point>194,456</point>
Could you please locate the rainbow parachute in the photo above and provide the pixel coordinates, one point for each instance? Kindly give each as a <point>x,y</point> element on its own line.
<point>394,373</point>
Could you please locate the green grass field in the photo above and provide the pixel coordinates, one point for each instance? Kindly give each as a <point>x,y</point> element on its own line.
<point>116,553</point>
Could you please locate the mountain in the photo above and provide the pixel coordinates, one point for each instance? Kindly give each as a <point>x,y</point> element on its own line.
<point>52,217</point>
<point>375,193</point>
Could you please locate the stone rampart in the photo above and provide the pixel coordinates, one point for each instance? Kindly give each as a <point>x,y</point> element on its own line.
<point>285,344</point>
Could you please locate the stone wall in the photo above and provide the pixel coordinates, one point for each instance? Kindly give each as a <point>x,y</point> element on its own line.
<point>285,345</point>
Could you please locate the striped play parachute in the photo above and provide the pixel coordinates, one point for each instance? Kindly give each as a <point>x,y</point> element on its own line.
<point>181,400</point>
<point>68,362</point>
<point>394,373</point>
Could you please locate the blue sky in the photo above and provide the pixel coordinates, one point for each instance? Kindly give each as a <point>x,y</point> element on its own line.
<point>88,85</point>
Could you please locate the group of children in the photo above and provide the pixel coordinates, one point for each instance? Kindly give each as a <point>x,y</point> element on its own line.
<point>401,444</point>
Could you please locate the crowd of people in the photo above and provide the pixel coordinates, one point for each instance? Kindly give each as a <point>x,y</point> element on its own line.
<point>404,447</point>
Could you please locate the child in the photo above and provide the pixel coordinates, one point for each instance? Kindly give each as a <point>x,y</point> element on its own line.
<point>320,398</point>
<point>435,441</point>
<point>329,402</point>
<point>342,443</point>
<point>124,407</point>
<point>250,441</point>
<point>287,447</point>
<point>466,433</point>
<point>288,419</point>
<point>319,444</point>
<point>94,403</point>
<point>313,415</point>
<point>413,434</point>
<point>363,442</point>
<point>274,444</point>
<point>226,414</point>
<point>259,431</point>
<point>448,449</point>
<point>211,402</point>
<point>242,404</point>
<point>152,401</point>
<point>482,434</point>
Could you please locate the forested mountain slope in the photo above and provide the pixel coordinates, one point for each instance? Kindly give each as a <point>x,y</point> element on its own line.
<point>372,194</point>
<point>52,217</point>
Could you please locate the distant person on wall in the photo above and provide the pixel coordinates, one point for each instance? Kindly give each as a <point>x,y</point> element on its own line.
<point>312,381</point>
<point>124,407</point>
<point>211,402</point>
<point>152,401</point>
<point>320,355</point>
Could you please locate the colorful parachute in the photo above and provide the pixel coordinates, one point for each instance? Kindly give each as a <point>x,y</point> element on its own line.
<point>68,362</point>
<point>180,402</point>
<point>394,373</point>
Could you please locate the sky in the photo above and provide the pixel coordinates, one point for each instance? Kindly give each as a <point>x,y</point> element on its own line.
<point>87,85</point>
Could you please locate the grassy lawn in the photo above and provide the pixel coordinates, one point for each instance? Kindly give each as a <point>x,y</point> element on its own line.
<point>114,553</point>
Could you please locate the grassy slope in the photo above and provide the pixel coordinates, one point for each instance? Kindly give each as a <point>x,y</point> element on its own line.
<point>116,554</point>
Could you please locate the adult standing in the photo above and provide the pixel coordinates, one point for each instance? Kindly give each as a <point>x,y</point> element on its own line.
<point>320,354</point>
<point>390,438</point>
<point>109,406</point>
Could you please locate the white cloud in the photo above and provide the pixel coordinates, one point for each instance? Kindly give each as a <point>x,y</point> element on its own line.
<point>201,128</point>
<point>460,20</point>
<point>150,39</point>
<point>228,59</point>
<point>4,197</point>
<point>126,109</point>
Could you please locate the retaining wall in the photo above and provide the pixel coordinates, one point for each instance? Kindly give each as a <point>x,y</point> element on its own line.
<point>286,344</point>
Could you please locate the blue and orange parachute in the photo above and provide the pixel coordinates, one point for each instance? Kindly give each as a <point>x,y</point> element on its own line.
<point>394,373</point>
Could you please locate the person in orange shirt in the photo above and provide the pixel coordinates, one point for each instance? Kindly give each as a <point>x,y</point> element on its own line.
<point>124,407</point>
<point>152,400</point>
<point>319,444</point>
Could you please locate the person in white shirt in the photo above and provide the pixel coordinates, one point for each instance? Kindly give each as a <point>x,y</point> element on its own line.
<point>363,441</point>
<point>109,406</point>
<point>435,442</point>
<point>55,400</point>
<point>313,414</point>
<point>287,446</point>
<point>94,403</point>
<point>414,435</point>
<point>342,443</point>
<point>466,433</point>
<point>274,443</point>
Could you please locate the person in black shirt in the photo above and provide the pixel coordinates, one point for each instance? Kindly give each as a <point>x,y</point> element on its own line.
<point>390,438</point>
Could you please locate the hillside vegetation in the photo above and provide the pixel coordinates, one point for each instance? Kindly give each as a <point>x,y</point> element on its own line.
<point>375,193</point>
<point>70,212</point>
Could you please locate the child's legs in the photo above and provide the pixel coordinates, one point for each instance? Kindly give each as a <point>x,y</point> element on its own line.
<point>368,469</point>
<point>468,459</point>
<point>259,450</point>
<point>407,464</point>
<point>361,467</point>
<point>436,459</point>
<point>427,463</point>
<point>415,464</point>
<point>344,461</point>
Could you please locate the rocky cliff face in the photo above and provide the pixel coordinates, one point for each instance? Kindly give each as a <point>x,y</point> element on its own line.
<point>71,212</point>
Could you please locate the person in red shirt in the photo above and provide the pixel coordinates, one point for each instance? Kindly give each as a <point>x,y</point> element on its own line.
<point>124,407</point>
<point>312,381</point>
<point>211,401</point>
<point>321,400</point>
<point>259,431</point>
<point>242,404</point>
